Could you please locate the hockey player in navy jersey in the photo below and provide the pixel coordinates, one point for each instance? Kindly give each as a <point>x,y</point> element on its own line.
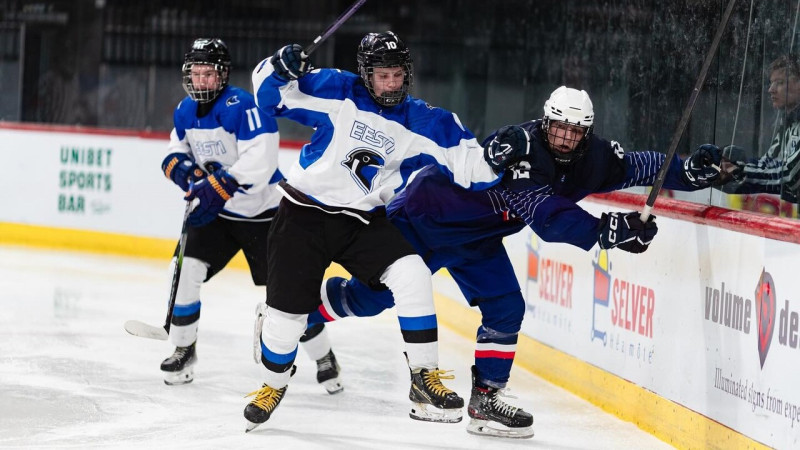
<point>370,135</point>
<point>462,231</point>
<point>223,152</point>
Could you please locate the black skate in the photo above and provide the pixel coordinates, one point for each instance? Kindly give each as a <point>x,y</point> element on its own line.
<point>327,367</point>
<point>328,373</point>
<point>261,407</point>
<point>491,416</point>
<point>179,368</point>
<point>433,402</point>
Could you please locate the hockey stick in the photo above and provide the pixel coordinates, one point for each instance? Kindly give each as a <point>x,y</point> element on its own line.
<point>687,112</point>
<point>142,329</point>
<point>331,29</point>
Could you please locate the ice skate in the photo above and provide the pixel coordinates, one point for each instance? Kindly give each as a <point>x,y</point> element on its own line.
<point>432,401</point>
<point>328,373</point>
<point>179,368</point>
<point>491,416</point>
<point>261,407</point>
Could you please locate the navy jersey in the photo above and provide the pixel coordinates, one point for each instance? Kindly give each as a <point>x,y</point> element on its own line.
<point>237,135</point>
<point>537,192</point>
<point>544,194</point>
<point>449,218</point>
<point>361,153</point>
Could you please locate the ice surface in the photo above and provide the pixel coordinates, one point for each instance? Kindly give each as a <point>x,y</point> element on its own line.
<point>71,377</point>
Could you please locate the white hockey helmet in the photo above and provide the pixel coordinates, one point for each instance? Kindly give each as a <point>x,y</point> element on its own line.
<point>571,107</point>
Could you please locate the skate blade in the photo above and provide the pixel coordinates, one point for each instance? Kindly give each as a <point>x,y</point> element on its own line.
<point>492,428</point>
<point>185,376</point>
<point>333,386</point>
<point>250,426</point>
<point>430,413</point>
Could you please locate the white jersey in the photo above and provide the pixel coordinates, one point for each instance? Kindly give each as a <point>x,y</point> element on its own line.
<point>240,137</point>
<point>362,154</point>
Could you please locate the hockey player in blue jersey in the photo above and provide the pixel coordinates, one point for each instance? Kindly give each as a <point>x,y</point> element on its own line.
<point>462,230</point>
<point>370,135</point>
<point>223,152</point>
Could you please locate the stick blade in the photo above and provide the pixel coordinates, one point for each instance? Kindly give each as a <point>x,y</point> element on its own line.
<point>144,330</point>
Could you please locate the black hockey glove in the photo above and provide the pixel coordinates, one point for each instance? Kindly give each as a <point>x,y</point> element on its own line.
<point>290,62</point>
<point>182,170</point>
<point>626,231</point>
<point>702,168</point>
<point>511,143</point>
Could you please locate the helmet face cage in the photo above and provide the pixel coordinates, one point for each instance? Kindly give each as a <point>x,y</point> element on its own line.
<point>558,133</point>
<point>211,52</point>
<point>385,50</point>
<point>567,110</point>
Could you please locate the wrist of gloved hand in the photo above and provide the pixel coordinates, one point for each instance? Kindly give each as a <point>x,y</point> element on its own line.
<point>182,170</point>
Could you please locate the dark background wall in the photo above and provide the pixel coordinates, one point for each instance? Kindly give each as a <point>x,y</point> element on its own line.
<point>115,63</point>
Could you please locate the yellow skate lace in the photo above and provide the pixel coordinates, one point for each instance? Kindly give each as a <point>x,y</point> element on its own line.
<point>433,381</point>
<point>266,397</point>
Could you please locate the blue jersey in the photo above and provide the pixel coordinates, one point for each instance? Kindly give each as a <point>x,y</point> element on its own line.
<point>537,192</point>
<point>361,153</point>
<point>237,135</point>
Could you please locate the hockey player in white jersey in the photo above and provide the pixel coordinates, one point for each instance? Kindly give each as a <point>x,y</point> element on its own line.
<point>370,135</point>
<point>223,152</point>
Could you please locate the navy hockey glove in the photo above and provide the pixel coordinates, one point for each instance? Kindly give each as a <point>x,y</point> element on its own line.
<point>701,169</point>
<point>213,191</point>
<point>511,143</point>
<point>182,170</point>
<point>212,166</point>
<point>290,62</point>
<point>626,231</point>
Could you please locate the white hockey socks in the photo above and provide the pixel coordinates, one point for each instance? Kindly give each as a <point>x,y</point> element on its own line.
<point>409,279</point>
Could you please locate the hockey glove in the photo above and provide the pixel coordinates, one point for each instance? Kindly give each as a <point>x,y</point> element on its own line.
<point>182,170</point>
<point>290,62</point>
<point>626,232</point>
<point>701,169</point>
<point>511,143</point>
<point>212,191</point>
<point>212,166</point>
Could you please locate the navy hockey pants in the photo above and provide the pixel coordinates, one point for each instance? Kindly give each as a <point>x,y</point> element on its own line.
<point>487,281</point>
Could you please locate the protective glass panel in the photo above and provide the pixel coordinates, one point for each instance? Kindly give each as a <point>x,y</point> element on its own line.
<point>115,63</point>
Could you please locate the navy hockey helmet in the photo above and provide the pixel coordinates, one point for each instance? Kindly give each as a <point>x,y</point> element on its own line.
<point>568,122</point>
<point>206,51</point>
<point>385,50</point>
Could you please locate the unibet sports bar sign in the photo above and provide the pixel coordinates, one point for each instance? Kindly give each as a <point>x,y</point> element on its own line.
<point>84,180</point>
